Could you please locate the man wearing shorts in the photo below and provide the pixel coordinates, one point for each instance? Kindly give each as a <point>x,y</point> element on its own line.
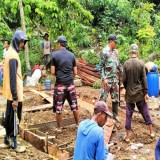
<point>63,66</point>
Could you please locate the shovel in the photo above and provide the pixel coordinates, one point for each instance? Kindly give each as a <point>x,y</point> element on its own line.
<point>15,123</point>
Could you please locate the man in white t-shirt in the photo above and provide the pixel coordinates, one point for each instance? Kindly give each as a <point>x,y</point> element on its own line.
<point>46,50</point>
<point>6,47</point>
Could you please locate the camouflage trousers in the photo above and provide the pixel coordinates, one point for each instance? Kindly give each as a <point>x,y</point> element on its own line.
<point>113,89</point>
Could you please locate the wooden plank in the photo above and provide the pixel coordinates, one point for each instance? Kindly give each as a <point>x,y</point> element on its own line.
<point>53,150</point>
<point>108,128</point>
<point>38,108</point>
<point>87,83</point>
<point>53,124</point>
<point>79,65</point>
<point>44,95</point>
<point>86,105</point>
<point>97,75</point>
<point>87,77</point>
<point>34,140</point>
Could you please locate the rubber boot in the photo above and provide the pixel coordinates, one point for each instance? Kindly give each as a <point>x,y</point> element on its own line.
<point>115,111</point>
<point>6,140</point>
<point>14,142</point>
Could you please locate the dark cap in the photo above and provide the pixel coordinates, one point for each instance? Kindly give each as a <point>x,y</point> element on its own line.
<point>134,48</point>
<point>113,38</point>
<point>102,107</point>
<point>46,34</point>
<point>61,39</point>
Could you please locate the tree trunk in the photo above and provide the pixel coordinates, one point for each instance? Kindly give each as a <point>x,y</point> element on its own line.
<point>24,29</point>
<point>151,57</point>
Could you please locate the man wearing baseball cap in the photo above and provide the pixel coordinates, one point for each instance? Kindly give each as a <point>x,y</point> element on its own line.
<point>110,67</point>
<point>63,67</point>
<point>90,135</point>
<point>135,83</point>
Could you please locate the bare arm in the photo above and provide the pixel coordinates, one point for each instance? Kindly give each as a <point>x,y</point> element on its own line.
<point>53,70</point>
<point>42,49</point>
<point>51,47</point>
<point>124,77</point>
<point>144,81</point>
<point>75,70</point>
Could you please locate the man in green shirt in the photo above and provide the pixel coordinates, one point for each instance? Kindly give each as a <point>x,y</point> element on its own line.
<point>109,69</point>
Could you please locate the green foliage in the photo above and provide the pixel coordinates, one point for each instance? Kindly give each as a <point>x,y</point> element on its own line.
<point>57,17</point>
<point>23,63</point>
<point>81,36</point>
<point>85,23</point>
<point>1,51</point>
<point>124,52</point>
<point>35,51</point>
<point>145,32</point>
<point>90,56</point>
<point>97,84</point>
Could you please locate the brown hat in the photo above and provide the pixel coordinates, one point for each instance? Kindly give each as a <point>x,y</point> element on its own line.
<point>102,107</point>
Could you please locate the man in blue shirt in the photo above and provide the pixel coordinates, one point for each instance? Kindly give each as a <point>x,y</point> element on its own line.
<point>90,136</point>
<point>157,150</point>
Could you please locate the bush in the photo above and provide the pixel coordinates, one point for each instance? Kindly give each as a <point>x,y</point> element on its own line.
<point>97,84</point>
<point>90,56</point>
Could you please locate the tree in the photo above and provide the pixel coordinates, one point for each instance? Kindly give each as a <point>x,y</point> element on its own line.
<point>24,29</point>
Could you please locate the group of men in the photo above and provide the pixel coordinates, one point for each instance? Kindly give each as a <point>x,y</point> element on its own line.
<point>63,67</point>
<point>89,133</point>
<point>90,136</point>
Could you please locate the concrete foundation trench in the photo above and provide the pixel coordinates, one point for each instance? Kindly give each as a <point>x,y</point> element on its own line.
<point>45,138</point>
<point>43,135</point>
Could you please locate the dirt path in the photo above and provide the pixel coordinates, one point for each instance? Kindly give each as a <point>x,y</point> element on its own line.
<point>30,154</point>
<point>122,150</point>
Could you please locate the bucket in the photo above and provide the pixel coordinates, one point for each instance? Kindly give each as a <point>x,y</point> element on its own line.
<point>0,76</point>
<point>159,84</point>
<point>97,67</point>
<point>47,84</point>
<point>153,84</point>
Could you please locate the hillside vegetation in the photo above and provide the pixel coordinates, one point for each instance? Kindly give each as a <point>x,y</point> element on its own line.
<point>86,24</point>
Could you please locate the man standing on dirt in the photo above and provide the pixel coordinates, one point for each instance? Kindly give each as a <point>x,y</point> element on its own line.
<point>13,89</point>
<point>90,135</point>
<point>63,66</point>
<point>46,51</point>
<point>134,81</point>
<point>109,67</point>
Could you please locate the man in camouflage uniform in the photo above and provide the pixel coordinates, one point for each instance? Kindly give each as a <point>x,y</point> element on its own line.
<point>110,66</point>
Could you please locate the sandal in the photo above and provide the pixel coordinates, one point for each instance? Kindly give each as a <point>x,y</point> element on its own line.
<point>153,135</point>
<point>58,130</point>
<point>127,140</point>
<point>20,149</point>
